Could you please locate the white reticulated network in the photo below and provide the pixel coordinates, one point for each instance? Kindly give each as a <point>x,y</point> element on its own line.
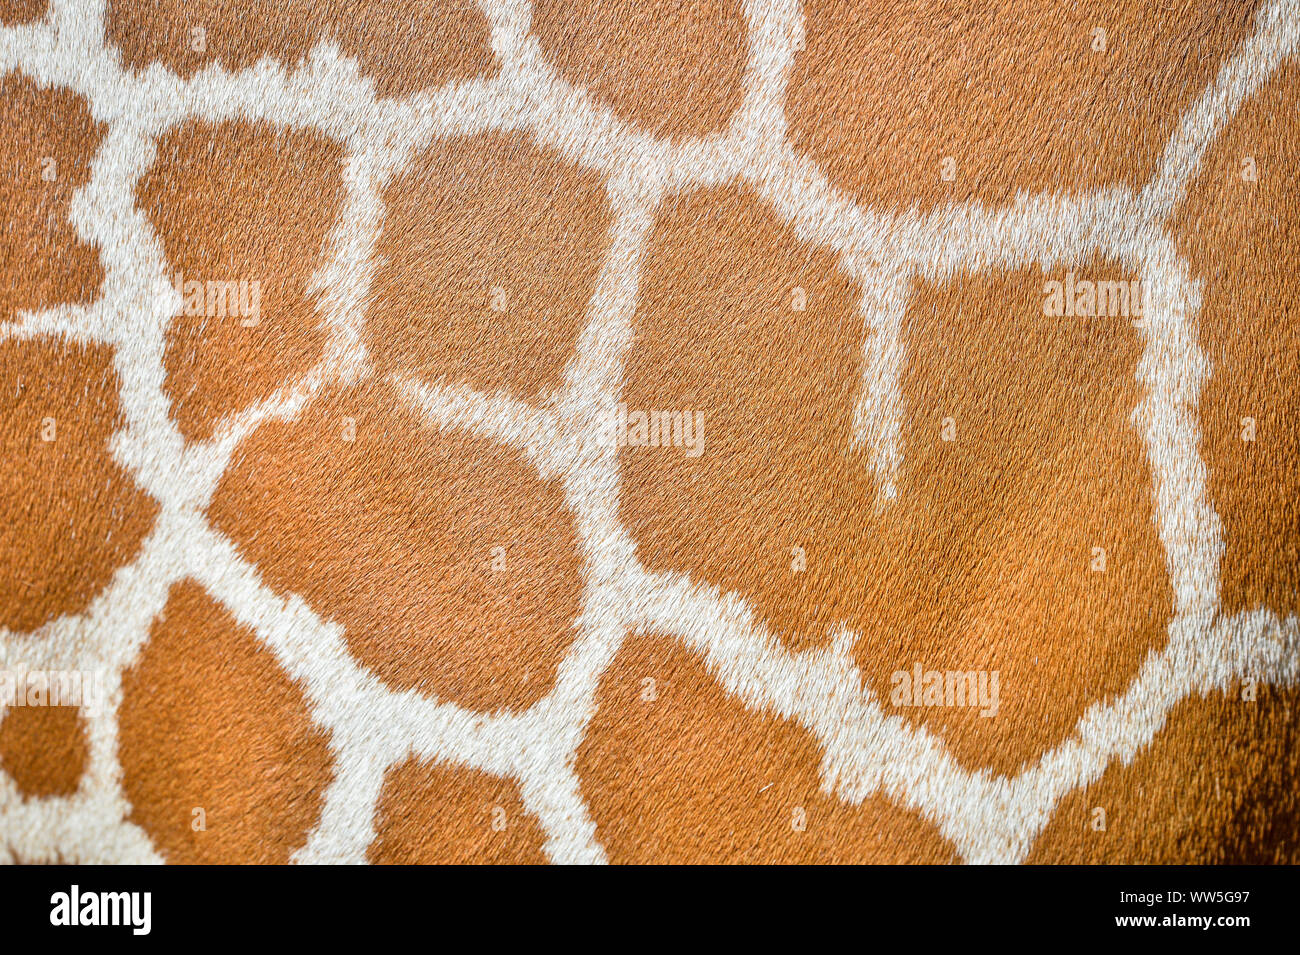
<point>987,818</point>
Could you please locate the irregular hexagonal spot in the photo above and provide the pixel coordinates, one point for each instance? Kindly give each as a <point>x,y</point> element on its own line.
<point>243,211</point>
<point>918,106</point>
<point>674,69</point>
<point>452,566</point>
<point>403,45</point>
<point>14,12</point>
<point>718,342</point>
<point>69,516</point>
<point>47,142</point>
<point>221,760</point>
<point>435,814</point>
<point>1220,785</point>
<point>1240,230</point>
<point>675,770</point>
<point>43,749</point>
<point>1023,546</point>
<point>489,256</point>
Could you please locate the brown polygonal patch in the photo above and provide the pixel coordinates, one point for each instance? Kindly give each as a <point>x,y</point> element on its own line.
<point>676,771</point>
<point>674,69</point>
<point>452,566</point>
<point>243,211</point>
<point>1240,235</point>
<point>1016,95</point>
<point>985,560</point>
<point>444,815</point>
<point>489,255</point>
<point>716,335</point>
<point>1218,786</point>
<point>69,515</point>
<point>1026,545</point>
<point>221,761</point>
<point>47,142</point>
<point>14,12</point>
<point>43,749</point>
<point>403,45</point>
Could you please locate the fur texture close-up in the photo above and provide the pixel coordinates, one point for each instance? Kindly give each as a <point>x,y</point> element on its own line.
<point>650,431</point>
